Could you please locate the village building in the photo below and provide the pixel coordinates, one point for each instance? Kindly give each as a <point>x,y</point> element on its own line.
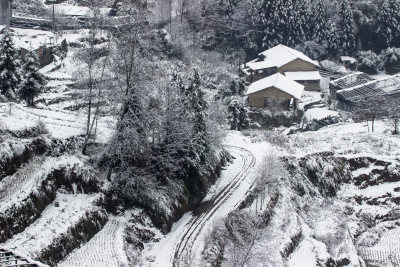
<point>275,88</point>
<point>348,62</point>
<point>5,12</point>
<point>282,59</point>
<point>310,79</point>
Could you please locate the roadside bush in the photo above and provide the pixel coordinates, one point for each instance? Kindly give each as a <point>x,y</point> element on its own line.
<point>312,50</point>
<point>368,62</point>
<point>38,129</point>
<point>391,60</point>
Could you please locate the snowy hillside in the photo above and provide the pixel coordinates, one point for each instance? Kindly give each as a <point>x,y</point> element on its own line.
<point>200,133</point>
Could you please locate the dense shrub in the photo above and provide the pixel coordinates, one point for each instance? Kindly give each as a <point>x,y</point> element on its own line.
<point>368,62</point>
<point>313,50</point>
<point>391,60</point>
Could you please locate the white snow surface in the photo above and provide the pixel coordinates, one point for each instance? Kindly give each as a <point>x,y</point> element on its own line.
<point>281,55</point>
<point>261,65</point>
<point>351,60</point>
<point>74,10</point>
<point>319,113</point>
<point>303,75</point>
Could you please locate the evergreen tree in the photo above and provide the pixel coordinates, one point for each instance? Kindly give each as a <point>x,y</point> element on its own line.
<point>319,22</point>
<point>197,104</point>
<point>389,23</point>
<point>347,29</point>
<point>9,66</point>
<point>238,117</point>
<point>282,23</point>
<point>268,18</point>
<point>33,81</point>
<point>303,16</point>
<point>295,29</point>
<point>276,23</point>
<point>233,88</point>
<point>331,39</point>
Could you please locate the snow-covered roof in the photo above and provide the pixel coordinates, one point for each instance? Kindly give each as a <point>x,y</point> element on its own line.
<point>303,75</point>
<point>383,86</point>
<point>71,10</point>
<point>246,71</point>
<point>281,55</point>
<point>280,82</point>
<point>351,80</point>
<point>352,60</point>
<point>261,65</point>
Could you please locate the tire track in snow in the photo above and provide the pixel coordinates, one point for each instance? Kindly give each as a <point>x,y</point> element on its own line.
<point>203,214</point>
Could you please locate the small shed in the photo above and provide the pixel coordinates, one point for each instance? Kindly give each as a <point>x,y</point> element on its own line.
<point>310,79</point>
<point>275,87</point>
<point>348,62</point>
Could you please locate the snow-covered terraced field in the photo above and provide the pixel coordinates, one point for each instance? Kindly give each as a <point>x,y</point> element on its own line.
<point>105,249</point>
<point>386,252</point>
<point>14,188</point>
<point>61,124</point>
<point>53,223</point>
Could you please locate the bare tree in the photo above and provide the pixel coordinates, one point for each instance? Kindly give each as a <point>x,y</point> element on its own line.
<point>378,107</point>
<point>94,59</point>
<point>244,233</point>
<point>270,176</point>
<point>393,112</point>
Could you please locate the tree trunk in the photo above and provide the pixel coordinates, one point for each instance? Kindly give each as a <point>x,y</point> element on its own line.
<point>256,204</point>
<point>373,120</point>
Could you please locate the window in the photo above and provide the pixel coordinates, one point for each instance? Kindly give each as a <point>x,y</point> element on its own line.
<point>266,101</point>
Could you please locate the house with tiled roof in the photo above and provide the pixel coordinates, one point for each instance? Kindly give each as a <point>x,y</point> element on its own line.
<point>286,61</point>
<point>276,87</point>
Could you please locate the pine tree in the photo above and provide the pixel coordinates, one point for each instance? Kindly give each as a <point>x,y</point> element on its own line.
<point>33,81</point>
<point>346,28</point>
<point>303,15</point>
<point>197,104</point>
<point>389,23</point>
<point>331,39</point>
<point>9,66</point>
<point>238,117</point>
<point>295,26</point>
<point>275,22</point>
<point>282,23</point>
<point>319,23</point>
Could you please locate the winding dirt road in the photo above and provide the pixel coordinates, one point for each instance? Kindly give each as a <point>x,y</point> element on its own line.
<point>183,246</point>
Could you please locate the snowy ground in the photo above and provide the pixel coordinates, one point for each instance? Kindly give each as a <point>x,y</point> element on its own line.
<point>33,39</point>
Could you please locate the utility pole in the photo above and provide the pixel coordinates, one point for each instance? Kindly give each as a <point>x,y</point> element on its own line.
<point>54,19</point>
